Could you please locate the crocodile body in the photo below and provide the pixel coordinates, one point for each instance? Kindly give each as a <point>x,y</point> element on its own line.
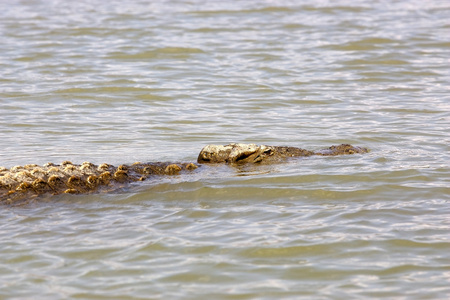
<point>29,181</point>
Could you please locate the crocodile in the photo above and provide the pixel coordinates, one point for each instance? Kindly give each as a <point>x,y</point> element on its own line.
<point>31,181</point>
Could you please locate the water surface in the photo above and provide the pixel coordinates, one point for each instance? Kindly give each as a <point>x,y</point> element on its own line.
<point>156,81</point>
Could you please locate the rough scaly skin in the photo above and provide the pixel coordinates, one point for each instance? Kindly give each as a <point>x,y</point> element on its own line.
<point>29,181</point>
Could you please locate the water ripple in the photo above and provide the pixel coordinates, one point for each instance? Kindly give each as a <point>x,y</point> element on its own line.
<point>154,81</point>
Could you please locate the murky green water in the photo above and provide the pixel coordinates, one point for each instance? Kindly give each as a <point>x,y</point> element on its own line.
<point>127,81</point>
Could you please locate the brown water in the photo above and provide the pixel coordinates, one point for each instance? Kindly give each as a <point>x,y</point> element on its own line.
<point>129,81</point>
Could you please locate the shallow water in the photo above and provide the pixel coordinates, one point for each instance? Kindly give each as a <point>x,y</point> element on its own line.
<point>139,81</point>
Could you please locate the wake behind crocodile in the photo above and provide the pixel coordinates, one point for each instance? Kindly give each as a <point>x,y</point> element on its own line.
<point>22,183</point>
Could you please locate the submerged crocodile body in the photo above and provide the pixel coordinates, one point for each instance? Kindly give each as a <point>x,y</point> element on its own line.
<point>26,182</point>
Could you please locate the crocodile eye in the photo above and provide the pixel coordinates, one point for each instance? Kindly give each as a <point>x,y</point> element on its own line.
<point>268,151</point>
<point>243,156</point>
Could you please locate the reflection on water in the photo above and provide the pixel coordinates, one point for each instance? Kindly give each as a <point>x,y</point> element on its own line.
<point>156,81</point>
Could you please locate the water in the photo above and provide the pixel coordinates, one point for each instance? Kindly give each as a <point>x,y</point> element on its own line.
<point>129,81</point>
